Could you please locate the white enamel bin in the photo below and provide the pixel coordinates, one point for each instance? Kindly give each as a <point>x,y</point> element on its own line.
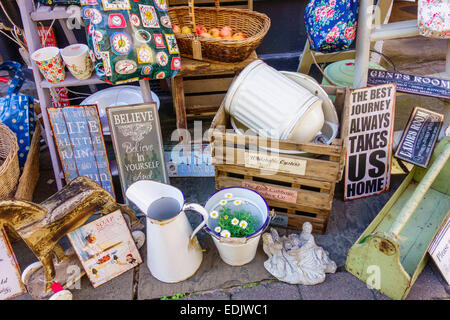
<point>271,104</point>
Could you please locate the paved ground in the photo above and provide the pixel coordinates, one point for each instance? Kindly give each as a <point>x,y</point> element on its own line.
<point>215,280</point>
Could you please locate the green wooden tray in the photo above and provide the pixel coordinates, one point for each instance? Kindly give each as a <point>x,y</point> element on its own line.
<point>392,251</point>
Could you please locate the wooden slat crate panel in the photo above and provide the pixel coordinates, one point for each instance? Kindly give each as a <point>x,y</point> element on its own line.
<point>302,187</point>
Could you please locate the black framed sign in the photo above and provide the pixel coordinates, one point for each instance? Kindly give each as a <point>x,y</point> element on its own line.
<point>419,138</point>
<point>137,142</point>
<point>414,84</point>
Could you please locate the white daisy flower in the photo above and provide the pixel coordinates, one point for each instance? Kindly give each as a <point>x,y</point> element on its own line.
<point>225,234</point>
<point>218,229</point>
<point>223,202</point>
<point>229,195</point>
<point>243,224</point>
<point>234,221</point>
<point>214,214</point>
<point>237,202</point>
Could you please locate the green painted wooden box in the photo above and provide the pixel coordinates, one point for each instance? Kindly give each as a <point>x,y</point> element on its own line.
<point>392,252</point>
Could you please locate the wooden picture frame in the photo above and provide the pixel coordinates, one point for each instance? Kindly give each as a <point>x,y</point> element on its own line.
<point>137,142</point>
<point>105,248</point>
<point>10,276</point>
<point>81,147</point>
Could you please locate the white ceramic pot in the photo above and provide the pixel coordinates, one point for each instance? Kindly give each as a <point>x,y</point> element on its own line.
<point>78,60</point>
<point>271,104</point>
<point>173,251</point>
<point>238,251</point>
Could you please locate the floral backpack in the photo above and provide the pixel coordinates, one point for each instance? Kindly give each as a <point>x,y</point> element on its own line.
<point>331,24</point>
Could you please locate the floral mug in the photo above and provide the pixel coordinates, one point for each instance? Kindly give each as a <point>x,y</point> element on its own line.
<point>50,64</point>
<point>78,61</point>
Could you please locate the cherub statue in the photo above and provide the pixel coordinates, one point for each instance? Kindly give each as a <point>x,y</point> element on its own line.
<point>296,259</point>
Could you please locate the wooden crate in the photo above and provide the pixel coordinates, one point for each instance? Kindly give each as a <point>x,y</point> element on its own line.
<point>302,189</point>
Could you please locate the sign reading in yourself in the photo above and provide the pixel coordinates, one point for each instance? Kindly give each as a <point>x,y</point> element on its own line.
<point>419,137</point>
<point>414,84</point>
<point>370,131</point>
<point>137,143</point>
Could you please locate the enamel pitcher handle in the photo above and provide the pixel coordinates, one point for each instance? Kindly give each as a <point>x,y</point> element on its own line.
<point>199,209</point>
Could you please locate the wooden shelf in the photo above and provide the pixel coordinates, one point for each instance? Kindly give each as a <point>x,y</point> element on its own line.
<point>71,81</point>
<point>44,13</point>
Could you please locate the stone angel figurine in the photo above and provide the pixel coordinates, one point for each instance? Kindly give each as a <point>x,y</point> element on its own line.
<point>296,259</point>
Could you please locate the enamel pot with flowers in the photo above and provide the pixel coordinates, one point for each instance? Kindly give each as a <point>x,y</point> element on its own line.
<point>237,218</point>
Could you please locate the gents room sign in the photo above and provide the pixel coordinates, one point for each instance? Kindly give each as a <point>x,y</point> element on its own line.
<point>369,141</point>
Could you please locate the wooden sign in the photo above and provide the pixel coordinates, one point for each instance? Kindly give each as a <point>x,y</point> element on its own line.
<point>275,163</point>
<point>421,85</point>
<point>79,139</point>
<point>440,250</point>
<point>136,136</point>
<point>419,138</point>
<point>10,276</point>
<point>105,248</point>
<point>369,141</point>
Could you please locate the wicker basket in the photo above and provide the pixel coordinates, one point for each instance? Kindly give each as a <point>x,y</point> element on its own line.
<point>9,163</point>
<point>253,24</point>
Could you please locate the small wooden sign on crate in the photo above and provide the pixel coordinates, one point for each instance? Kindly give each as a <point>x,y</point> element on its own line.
<point>299,187</point>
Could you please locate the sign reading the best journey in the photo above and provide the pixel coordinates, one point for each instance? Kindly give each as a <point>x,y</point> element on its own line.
<point>10,281</point>
<point>370,132</point>
<point>137,142</point>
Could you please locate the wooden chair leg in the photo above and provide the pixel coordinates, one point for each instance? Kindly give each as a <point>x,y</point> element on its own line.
<point>363,44</point>
<point>305,60</point>
<point>179,102</point>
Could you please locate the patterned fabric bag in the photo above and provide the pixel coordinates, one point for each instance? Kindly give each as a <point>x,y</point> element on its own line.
<point>131,40</point>
<point>331,24</point>
<point>17,110</point>
<point>433,18</point>
<point>52,2</point>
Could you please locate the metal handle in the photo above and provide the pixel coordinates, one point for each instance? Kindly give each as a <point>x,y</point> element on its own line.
<point>199,209</point>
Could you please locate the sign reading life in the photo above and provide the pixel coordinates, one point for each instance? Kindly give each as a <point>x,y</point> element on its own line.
<point>370,130</point>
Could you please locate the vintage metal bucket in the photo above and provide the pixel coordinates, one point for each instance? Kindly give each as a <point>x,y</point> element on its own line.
<point>238,251</point>
<point>271,104</point>
<point>173,251</point>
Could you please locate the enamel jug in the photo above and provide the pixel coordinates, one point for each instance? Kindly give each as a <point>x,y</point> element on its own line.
<point>173,251</point>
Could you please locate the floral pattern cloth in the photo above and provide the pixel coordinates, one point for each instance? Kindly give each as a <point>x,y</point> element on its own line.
<point>433,18</point>
<point>52,2</point>
<point>131,40</point>
<point>331,24</point>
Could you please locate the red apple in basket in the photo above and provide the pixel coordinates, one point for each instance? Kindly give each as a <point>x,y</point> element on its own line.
<point>206,35</point>
<point>200,29</point>
<point>186,30</point>
<point>176,29</point>
<point>214,32</point>
<point>239,36</point>
<point>226,32</point>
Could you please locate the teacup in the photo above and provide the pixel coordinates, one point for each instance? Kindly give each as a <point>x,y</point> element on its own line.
<point>78,61</point>
<point>50,64</point>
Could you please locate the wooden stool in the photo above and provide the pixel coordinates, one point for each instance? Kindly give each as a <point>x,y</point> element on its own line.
<point>200,86</point>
